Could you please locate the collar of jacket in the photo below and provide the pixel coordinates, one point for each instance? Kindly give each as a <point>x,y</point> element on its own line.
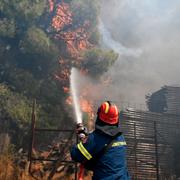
<point>107,129</point>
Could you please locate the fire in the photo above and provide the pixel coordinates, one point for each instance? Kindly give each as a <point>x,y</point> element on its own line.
<point>76,41</point>
<point>63,16</point>
<point>85,103</point>
<point>69,100</point>
<point>63,73</point>
<point>66,89</point>
<point>86,106</point>
<point>51,5</point>
<point>63,76</point>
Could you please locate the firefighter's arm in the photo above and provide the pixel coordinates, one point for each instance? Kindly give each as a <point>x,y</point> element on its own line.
<point>83,151</point>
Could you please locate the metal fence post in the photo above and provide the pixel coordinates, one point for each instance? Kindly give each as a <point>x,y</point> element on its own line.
<point>31,146</point>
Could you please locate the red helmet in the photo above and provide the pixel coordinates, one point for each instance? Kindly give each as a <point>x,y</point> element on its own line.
<point>108,113</point>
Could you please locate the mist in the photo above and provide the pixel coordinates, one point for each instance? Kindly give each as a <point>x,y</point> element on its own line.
<point>147,34</point>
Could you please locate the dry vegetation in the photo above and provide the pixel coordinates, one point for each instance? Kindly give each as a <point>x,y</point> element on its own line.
<point>9,171</point>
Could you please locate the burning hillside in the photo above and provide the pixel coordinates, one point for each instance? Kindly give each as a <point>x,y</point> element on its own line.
<point>76,41</point>
<point>40,41</point>
<point>63,16</point>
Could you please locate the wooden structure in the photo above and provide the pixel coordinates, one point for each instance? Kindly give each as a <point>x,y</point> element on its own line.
<point>165,100</point>
<point>152,140</point>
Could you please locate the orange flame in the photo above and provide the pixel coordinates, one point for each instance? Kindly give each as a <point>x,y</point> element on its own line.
<point>69,100</point>
<point>63,16</point>
<point>66,89</point>
<point>86,106</point>
<point>76,41</point>
<point>51,5</point>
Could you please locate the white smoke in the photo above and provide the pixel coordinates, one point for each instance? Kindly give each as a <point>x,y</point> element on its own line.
<point>150,25</point>
<point>110,43</point>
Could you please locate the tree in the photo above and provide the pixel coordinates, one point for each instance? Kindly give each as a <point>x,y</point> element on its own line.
<point>19,80</point>
<point>95,37</point>
<point>35,41</point>
<point>98,61</point>
<point>15,113</point>
<point>85,10</point>
<point>7,28</point>
<point>24,11</point>
<point>29,54</point>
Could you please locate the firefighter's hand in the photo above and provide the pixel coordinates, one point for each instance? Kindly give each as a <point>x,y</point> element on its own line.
<point>82,132</point>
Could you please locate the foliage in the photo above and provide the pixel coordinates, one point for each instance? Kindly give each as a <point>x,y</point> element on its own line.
<point>19,80</point>
<point>23,10</point>
<point>35,41</point>
<point>7,28</point>
<point>14,105</point>
<point>15,113</point>
<point>85,10</point>
<point>95,37</point>
<point>29,56</point>
<point>98,61</point>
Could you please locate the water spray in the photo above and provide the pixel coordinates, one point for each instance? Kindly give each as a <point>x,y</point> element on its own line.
<point>81,130</point>
<point>75,95</point>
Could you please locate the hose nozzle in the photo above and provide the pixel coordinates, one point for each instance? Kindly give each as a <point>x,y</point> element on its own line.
<point>81,131</point>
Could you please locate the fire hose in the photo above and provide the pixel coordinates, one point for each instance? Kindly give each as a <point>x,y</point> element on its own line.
<point>82,133</point>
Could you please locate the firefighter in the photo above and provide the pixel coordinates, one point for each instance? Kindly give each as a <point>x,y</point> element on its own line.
<point>104,150</point>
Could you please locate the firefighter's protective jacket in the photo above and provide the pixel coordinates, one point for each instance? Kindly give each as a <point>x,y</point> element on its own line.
<point>112,164</point>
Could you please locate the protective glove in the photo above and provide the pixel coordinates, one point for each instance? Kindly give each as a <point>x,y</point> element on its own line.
<point>82,132</point>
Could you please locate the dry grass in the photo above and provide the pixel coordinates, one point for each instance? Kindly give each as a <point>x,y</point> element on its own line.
<point>9,171</point>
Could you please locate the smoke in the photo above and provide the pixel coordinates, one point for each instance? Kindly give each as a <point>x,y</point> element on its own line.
<point>110,43</point>
<point>146,35</point>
